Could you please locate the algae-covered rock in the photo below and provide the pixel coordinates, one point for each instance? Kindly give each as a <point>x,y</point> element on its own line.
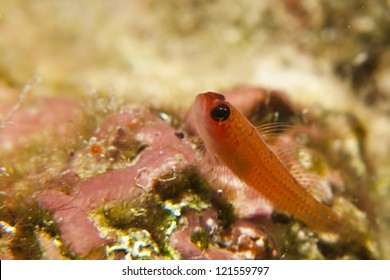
<point>165,202</point>
<point>94,126</point>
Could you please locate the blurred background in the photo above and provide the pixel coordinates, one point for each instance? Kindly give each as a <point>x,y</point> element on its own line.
<point>332,54</point>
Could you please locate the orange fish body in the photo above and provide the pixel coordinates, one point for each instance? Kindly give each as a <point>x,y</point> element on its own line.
<point>238,145</point>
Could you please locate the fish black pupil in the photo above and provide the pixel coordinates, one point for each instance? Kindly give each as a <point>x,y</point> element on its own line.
<point>220,113</point>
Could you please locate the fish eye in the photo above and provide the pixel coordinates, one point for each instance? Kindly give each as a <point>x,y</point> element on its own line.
<point>220,113</point>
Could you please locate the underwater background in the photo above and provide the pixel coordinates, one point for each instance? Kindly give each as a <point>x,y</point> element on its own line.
<point>98,159</point>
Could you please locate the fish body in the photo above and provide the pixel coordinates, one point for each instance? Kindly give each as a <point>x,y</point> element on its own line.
<point>240,146</point>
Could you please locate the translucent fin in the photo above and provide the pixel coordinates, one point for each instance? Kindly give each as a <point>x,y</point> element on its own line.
<point>314,184</point>
<point>206,159</point>
<point>270,131</point>
<point>223,173</point>
<point>274,125</point>
<point>201,147</point>
<point>209,158</point>
<point>286,150</point>
<point>247,202</point>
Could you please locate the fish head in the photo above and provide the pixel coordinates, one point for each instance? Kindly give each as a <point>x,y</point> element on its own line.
<point>214,121</point>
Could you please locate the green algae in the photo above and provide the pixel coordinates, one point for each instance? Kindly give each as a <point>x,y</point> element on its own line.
<point>190,181</point>
<point>28,218</point>
<point>299,242</point>
<point>226,215</point>
<point>201,238</point>
<point>173,186</point>
<point>147,215</point>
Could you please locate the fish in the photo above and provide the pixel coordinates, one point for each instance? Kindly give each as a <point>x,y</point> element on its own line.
<point>229,136</point>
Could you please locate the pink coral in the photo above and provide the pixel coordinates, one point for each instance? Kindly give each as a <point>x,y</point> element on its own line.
<point>59,116</point>
<point>163,154</point>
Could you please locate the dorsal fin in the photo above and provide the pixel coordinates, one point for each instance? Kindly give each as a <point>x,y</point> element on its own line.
<point>270,131</point>
<point>314,184</point>
<point>284,151</point>
<point>287,151</point>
